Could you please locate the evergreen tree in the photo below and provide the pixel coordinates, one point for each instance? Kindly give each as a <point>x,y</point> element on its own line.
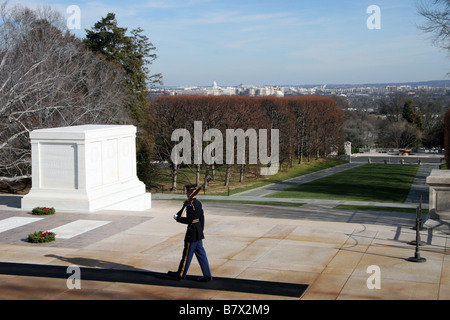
<point>408,111</point>
<point>134,53</point>
<point>412,115</point>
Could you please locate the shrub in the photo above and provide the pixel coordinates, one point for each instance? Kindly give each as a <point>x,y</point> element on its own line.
<point>39,211</point>
<point>41,237</point>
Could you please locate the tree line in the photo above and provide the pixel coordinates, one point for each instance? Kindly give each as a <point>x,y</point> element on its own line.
<point>309,127</point>
<point>400,120</point>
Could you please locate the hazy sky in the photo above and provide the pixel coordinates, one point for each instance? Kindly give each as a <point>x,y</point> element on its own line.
<point>274,42</point>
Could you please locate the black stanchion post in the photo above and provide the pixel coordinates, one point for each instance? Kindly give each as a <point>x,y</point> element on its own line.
<point>419,212</point>
<point>417,257</point>
<point>420,224</point>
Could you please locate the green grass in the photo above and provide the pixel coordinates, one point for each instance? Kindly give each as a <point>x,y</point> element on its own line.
<point>297,171</point>
<point>252,179</point>
<point>371,182</point>
<point>261,203</point>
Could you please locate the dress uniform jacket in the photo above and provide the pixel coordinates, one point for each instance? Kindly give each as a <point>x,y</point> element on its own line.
<point>195,221</point>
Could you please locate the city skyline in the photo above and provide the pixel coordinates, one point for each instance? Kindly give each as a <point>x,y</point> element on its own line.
<point>283,42</point>
<point>437,88</point>
<point>430,83</point>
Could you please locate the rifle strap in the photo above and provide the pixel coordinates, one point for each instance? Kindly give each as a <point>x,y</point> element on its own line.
<point>191,203</point>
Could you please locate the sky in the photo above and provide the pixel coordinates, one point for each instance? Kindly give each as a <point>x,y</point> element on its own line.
<point>282,42</point>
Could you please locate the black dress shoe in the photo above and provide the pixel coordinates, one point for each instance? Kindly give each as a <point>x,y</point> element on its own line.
<point>204,279</point>
<point>174,274</point>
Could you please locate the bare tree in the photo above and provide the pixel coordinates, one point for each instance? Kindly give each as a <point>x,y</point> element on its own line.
<point>437,15</point>
<point>48,79</point>
<point>392,106</point>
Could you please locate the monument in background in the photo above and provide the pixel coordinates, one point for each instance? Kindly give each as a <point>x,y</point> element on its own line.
<point>86,168</point>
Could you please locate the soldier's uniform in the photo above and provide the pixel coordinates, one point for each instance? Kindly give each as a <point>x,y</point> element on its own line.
<point>193,243</point>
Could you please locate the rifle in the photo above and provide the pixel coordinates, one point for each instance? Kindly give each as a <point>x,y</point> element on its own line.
<point>192,196</point>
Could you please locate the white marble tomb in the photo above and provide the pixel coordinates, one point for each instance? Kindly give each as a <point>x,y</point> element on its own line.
<point>86,168</point>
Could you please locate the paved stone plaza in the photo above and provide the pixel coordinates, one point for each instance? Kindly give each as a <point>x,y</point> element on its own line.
<point>329,252</point>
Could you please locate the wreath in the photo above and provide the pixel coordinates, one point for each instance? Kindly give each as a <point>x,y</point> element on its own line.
<point>39,211</point>
<point>41,237</point>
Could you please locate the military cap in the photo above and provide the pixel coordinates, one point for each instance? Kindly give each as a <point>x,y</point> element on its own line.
<point>190,187</point>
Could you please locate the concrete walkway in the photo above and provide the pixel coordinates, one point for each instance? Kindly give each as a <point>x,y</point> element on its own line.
<point>420,187</point>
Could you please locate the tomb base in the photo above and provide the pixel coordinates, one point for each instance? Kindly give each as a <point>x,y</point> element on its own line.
<point>130,196</point>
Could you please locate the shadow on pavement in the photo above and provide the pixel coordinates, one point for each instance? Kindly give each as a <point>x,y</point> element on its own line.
<point>96,273</point>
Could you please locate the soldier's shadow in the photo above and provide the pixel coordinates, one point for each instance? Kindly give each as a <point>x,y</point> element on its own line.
<point>94,263</point>
<point>113,271</point>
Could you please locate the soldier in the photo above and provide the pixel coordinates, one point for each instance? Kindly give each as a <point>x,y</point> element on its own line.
<point>193,243</point>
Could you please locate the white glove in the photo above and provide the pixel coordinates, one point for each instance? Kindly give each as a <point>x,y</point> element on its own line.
<point>175,217</point>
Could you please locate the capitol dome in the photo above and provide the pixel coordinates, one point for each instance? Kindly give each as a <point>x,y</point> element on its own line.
<point>279,94</point>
